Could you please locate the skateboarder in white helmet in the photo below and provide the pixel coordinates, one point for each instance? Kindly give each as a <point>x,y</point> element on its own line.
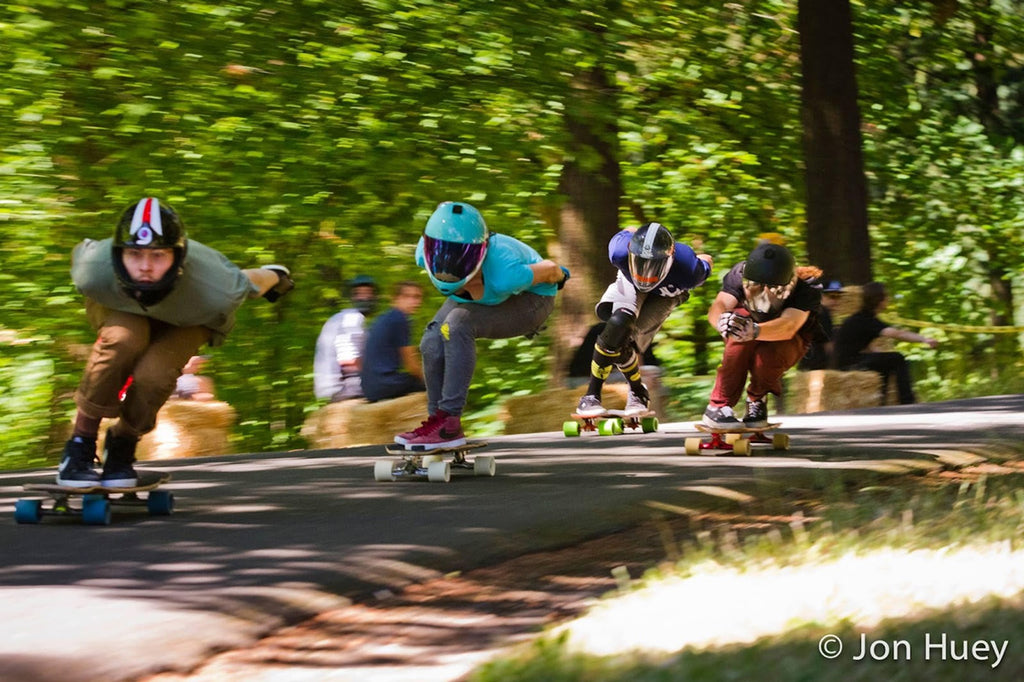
<point>766,312</point>
<point>655,276</point>
<point>155,296</point>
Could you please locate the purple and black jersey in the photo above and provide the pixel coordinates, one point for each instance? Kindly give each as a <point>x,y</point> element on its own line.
<point>687,272</point>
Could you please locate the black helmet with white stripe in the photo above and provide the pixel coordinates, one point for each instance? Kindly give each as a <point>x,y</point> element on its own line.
<point>149,224</point>
<point>651,253</point>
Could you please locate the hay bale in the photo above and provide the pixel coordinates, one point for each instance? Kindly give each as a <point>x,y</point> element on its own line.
<point>358,422</point>
<point>547,410</point>
<point>185,428</point>
<point>824,390</point>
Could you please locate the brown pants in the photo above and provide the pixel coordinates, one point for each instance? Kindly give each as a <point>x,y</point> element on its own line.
<point>151,352</point>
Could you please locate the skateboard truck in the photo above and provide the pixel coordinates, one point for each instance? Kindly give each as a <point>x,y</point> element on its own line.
<point>610,423</point>
<point>733,439</point>
<point>431,464</point>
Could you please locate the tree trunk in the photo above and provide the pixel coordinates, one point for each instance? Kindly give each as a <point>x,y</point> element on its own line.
<point>837,216</point>
<point>591,186</point>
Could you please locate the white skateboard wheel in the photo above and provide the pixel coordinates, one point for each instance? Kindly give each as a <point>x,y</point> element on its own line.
<point>439,472</point>
<point>383,470</point>
<point>484,466</point>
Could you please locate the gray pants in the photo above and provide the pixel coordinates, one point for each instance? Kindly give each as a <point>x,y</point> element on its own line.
<point>448,345</point>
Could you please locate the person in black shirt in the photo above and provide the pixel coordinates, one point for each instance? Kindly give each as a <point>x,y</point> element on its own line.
<point>765,311</point>
<point>863,327</point>
<point>820,352</point>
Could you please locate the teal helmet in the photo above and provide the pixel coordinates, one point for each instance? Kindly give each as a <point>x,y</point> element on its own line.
<point>454,245</point>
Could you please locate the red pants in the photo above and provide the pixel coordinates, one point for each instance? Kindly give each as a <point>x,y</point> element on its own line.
<point>765,361</point>
<point>150,351</point>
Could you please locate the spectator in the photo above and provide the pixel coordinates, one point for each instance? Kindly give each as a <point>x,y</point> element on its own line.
<point>855,335</point>
<point>391,364</point>
<point>191,384</point>
<point>339,348</point>
<point>820,352</point>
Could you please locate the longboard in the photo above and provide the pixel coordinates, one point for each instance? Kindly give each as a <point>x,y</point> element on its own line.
<point>610,422</point>
<point>97,501</point>
<point>432,464</point>
<point>731,439</point>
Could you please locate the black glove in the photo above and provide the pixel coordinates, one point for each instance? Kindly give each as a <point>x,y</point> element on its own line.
<point>564,279</point>
<point>284,282</point>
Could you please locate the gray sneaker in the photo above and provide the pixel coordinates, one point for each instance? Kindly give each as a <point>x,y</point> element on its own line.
<point>590,406</point>
<point>720,418</point>
<point>757,414</point>
<point>636,404</point>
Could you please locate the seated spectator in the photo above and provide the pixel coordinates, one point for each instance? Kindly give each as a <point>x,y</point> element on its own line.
<point>391,363</point>
<point>192,385</point>
<point>820,352</point>
<point>860,329</point>
<point>339,347</point>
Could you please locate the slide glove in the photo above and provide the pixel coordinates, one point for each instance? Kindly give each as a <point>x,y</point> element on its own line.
<point>284,282</point>
<point>564,279</point>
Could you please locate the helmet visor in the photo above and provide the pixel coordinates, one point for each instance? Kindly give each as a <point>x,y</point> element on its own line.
<point>452,261</point>
<point>648,272</point>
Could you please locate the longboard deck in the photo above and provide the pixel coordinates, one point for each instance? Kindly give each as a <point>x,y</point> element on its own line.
<point>96,501</point>
<point>700,426</point>
<point>399,449</point>
<point>147,481</point>
<point>731,439</point>
<point>610,422</point>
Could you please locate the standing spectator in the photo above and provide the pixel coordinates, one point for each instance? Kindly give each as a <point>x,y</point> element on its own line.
<point>391,364</point>
<point>339,348</point>
<point>820,354</point>
<point>860,329</point>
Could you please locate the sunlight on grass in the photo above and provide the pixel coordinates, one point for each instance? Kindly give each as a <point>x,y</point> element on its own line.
<point>719,605</point>
<point>753,594</point>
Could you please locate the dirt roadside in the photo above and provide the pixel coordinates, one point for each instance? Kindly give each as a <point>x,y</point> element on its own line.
<point>443,628</point>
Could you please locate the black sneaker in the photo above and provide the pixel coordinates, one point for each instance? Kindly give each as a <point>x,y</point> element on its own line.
<point>720,417</point>
<point>757,414</point>
<point>118,456</point>
<point>75,468</point>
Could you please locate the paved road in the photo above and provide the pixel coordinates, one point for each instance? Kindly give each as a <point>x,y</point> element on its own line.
<point>259,540</point>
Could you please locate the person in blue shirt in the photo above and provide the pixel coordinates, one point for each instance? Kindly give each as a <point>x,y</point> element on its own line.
<point>391,364</point>
<point>655,276</point>
<point>496,286</point>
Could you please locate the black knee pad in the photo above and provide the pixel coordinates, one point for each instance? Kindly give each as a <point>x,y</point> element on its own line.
<point>618,331</point>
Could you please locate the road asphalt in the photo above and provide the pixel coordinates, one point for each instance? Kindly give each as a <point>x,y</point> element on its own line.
<point>261,540</point>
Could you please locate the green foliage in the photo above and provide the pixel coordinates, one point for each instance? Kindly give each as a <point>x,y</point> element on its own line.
<point>321,135</point>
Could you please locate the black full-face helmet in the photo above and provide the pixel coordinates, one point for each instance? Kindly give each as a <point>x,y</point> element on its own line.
<point>769,275</point>
<point>651,254</point>
<point>149,224</point>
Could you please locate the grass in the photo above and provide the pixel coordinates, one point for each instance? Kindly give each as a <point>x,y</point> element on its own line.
<point>901,565</point>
